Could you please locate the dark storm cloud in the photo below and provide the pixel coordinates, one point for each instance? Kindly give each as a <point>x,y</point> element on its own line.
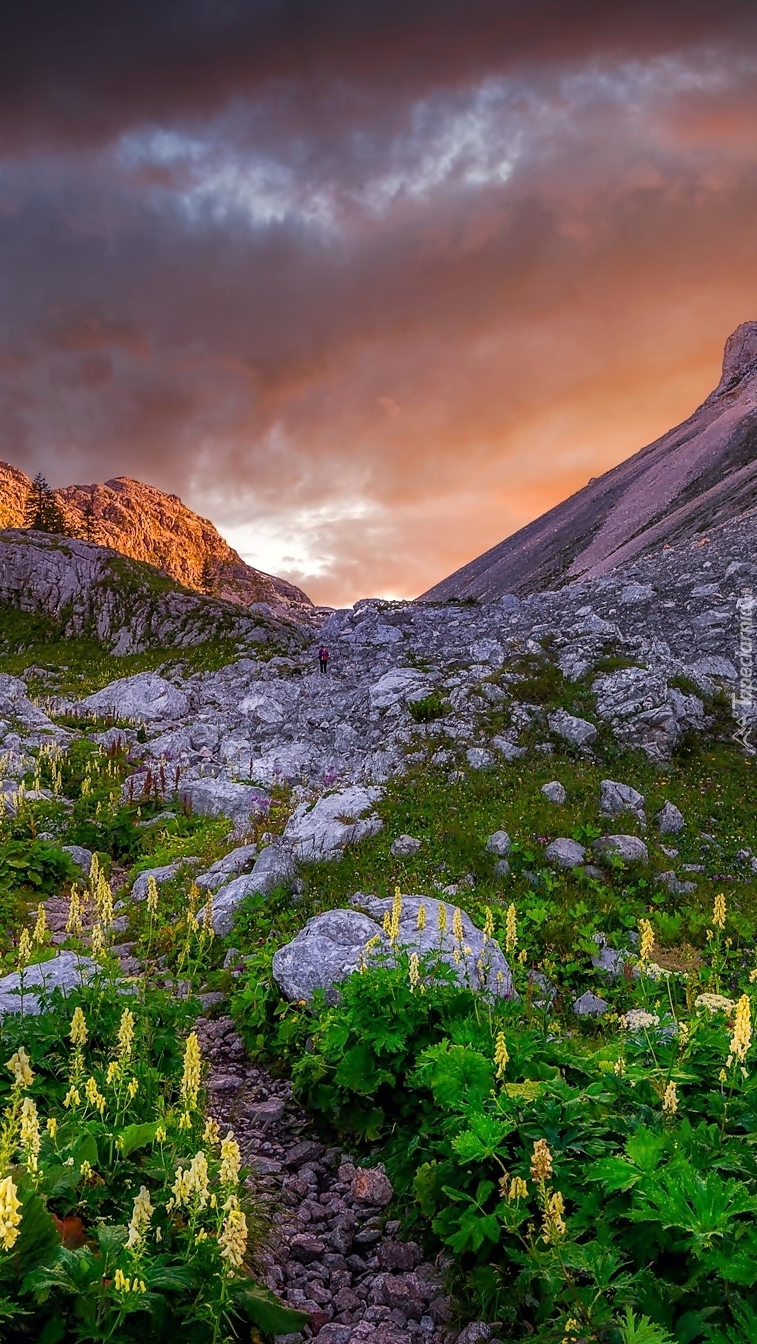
<point>372,284</point>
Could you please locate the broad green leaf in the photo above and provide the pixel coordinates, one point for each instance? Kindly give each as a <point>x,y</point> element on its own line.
<point>482,1139</point>
<point>613,1173</point>
<point>136,1136</point>
<point>526,1091</point>
<point>267,1312</point>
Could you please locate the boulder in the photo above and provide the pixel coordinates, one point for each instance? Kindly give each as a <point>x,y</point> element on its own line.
<point>479,758</point>
<point>231,865</point>
<point>487,651</point>
<point>590,1005</point>
<point>634,701</point>
<point>275,867</point>
<point>499,844</point>
<point>628,848</point>
<point>578,732</point>
<point>555,791</point>
<point>322,830</point>
<point>397,686</point>
<point>161,875</point>
<point>674,885</point>
<point>669,820</point>
<point>508,747</point>
<point>481,963</point>
<point>608,959</point>
<point>404,846</point>
<point>66,971</point>
<point>80,856</point>
<point>329,948</point>
<point>615,798</point>
<point>224,798</point>
<point>145,697</point>
<point>566,853</point>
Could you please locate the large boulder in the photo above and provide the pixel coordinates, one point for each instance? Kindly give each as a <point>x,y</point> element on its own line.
<point>275,867</point>
<point>160,875</point>
<point>404,846</point>
<point>499,844</point>
<point>322,830</point>
<point>479,961</point>
<point>565,853</point>
<point>616,798</point>
<point>224,798</point>
<point>329,948</point>
<point>66,971</point>
<point>398,686</point>
<point>145,697</point>
<point>238,861</point>
<point>578,732</point>
<point>670,821</point>
<point>554,791</point>
<point>628,848</point>
<point>635,702</point>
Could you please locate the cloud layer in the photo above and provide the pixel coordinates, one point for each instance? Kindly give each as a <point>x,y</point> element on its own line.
<point>370,285</point>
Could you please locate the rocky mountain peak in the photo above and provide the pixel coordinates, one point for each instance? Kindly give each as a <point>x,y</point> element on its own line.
<point>739,357</point>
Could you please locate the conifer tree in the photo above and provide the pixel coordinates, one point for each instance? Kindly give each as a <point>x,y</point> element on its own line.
<point>43,512</point>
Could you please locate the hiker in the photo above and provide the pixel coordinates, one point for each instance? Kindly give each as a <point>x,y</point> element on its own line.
<point>323,659</point>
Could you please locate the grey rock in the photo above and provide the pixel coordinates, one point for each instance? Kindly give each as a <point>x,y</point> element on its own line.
<point>225,798</point>
<point>674,885</point>
<point>634,701</point>
<point>501,868</point>
<point>636,592</point>
<point>715,666</point>
<point>481,963</point>
<point>555,791</point>
<point>564,852</point>
<point>616,798</point>
<point>508,747</point>
<point>66,971</point>
<point>397,686</point>
<point>628,848</point>
<point>578,732</point>
<point>608,959</point>
<point>322,830</point>
<point>329,948</point>
<point>161,875</point>
<point>499,844</point>
<point>275,867</point>
<point>590,1005</point>
<point>144,697</point>
<point>231,865</point>
<point>80,856</point>
<point>669,820</point>
<point>404,846</point>
<point>478,758</point>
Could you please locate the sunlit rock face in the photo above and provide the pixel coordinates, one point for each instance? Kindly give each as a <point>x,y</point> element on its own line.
<point>700,474</point>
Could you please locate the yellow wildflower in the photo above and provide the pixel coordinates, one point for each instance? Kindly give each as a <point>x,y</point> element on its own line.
<point>488,924</point>
<point>386,924</point>
<point>231,1160</point>
<point>74,926</point>
<point>140,1218</point>
<point>72,1097</point>
<point>541,1161</point>
<point>52,1127</point>
<point>420,922</point>
<point>20,1066</point>
<point>457,925</point>
<point>97,942</point>
<point>511,930</point>
<point>40,928</point>
<point>185,1120</point>
<point>233,1237</point>
<point>723,1076</point>
<point>160,1134</point>
<point>125,1034</point>
<point>718,911</point>
<point>753,976</point>
<point>86,1169</point>
<point>620,1068</point>
<point>554,1225</point>
<point>78,1032</point>
<point>30,1140</point>
<point>10,1214</point>
<point>180,1188</point>
<point>501,1055</point>
<point>647,940</point>
<point>113,1073</point>
<point>152,896</point>
<point>441,918</point>
<point>396,913</point>
<point>670,1099</point>
<point>518,1188</point>
<point>414,969</point>
<point>133,1089</point>
<point>24,949</point>
<point>190,1083</point>
<point>742,1029</point>
<point>94,1095</point>
<point>211,1133</point>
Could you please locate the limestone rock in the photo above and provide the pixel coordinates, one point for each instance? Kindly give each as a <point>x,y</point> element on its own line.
<point>231,865</point>
<point>479,758</point>
<point>404,846</point>
<point>578,732</point>
<point>324,953</point>
<point>564,852</point>
<point>144,697</point>
<point>628,848</point>
<point>225,798</point>
<point>555,791</point>
<point>66,971</point>
<point>616,798</point>
<point>323,829</point>
<point>397,686</point>
<point>80,856</point>
<point>590,1005</point>
<point>669,820</point>
<point>275,867</point>
<point>499,844</point>
<point>161,875</point>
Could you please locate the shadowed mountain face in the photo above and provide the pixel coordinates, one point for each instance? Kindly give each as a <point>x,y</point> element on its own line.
<point>700,474</point>
<point>147,524</point>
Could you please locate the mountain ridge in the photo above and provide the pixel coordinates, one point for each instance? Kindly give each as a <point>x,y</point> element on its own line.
<point>699,474</point>
<point>148,524</point>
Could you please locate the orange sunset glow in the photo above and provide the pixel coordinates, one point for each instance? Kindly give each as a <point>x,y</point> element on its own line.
<point>371,285</point>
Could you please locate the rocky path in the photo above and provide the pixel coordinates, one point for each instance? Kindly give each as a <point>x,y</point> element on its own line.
<point>334,1253</point>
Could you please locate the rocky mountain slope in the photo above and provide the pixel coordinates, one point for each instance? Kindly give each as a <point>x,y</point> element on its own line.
<point>700,474</point>
<point>147,524</point>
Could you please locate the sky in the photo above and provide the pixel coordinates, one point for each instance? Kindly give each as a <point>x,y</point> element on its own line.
<point>370,283</point>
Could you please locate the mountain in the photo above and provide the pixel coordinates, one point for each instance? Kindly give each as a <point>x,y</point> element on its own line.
<point>147,524</point>
<point>701,474</point>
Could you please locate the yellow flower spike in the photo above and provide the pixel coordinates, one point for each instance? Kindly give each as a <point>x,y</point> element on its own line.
<point>125,1034</point>
<point>78,1033</point>
<point>541,1161</point>
<point>72,1098</point>
<point>94,1095</point>
<point>647,940</point>
<point>457,925</point>
<point>441,918</point>
<point>52,1127</point>
<point>488,924</point>
<point>24,948</point>
<point>233,1238</point>
<point>518,1188</point>
<point>742,1029</point>
<point>231,1160</point>
<point>10,1214</point>
<point>133,1089</point>
<point>414,973</point>
<point>670,1099</point>
<point>160,1134</point>
<point>386,924</point>
<point>30,1137</point>
<point>74,925</point>
<point>718,911</point>
<point>554,1225</point>
<point>40,928</point>
<point>190,1083</point>
<point>152,896</point>
<point>140,1218</point>
<point>20,1066</point>
<point>396,913</point>
<point>511,930</point>
<point>211,1133</point>
<point>420,922</point>
<point>97,942</point>
<point>501,1054</point>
